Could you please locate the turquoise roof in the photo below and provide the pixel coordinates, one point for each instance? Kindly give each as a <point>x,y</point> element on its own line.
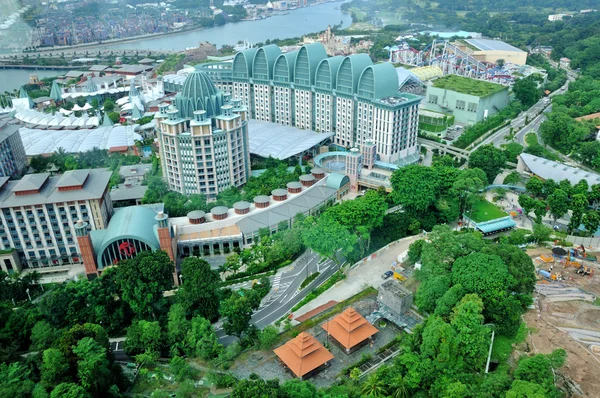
<point>349,72</point>
<point>90,86</point>
<point>262,67</point>
<point>337,180</point>
<point>242,63</point>
<point>309,57</point>
<point>199,93</point>
<point>326,74</point>
<point>283,70</point>
<point>499,224</point>
<point>106,122</point>
<point>23,94</point>
<point>55,92</point>
<point>378,81</point>
<point>134,222</point>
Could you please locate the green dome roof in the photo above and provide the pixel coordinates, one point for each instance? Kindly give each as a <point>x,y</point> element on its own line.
<point>199,93</point>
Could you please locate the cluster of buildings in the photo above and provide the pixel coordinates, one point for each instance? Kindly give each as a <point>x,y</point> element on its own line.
<point>560,17</point>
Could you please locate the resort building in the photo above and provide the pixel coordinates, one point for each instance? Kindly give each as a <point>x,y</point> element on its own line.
<point>203,139</point>
<point>38,214</point>
<point>468,100</point>
<point>350,329</point>
<point>349,96</point>
<point>303,355</point>
<point>12,153</point>
<point>490,51</point>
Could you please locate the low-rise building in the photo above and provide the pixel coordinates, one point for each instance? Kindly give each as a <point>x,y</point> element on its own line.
<point>491,50</point>
<point>565,62</point>
<point>38,214</point>
<point>395,297</point>
<point>303,355</point>
<point>468,100</point>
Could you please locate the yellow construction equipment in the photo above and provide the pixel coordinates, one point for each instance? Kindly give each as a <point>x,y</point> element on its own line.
<point>574,264</point>
<point>583,270</point>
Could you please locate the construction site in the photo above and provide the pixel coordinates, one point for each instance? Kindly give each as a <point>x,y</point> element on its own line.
<point>566,314</point>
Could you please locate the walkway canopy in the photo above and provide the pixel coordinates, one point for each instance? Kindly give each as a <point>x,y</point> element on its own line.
<point>281,142</point>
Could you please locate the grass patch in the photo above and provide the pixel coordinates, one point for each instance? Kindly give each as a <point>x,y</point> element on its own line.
<point>503,346</point>
<point>309,280</point>
<point>468,86</point>
<point>483,210</point>
<point>534,148</point>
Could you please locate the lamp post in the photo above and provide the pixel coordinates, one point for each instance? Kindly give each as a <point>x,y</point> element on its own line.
<point>487,365</point>
<point>28,295</point>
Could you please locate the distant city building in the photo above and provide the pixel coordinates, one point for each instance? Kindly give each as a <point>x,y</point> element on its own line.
<point>204,139</point>
<point>468,100</point>
<point>558,17</point>
<point>12,153</point>
<point>39,212</point>
<point>350,96</point>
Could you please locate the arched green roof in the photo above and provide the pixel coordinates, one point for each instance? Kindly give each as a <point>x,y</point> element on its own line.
<point>326,74</point>
<point>242,64</point>
<point>307,61</point>
<point>349,72</point>
<point>337,180</point>
<point>134,222</point>
<point>283,70</point>
<point>262,68</point>
<point>198,93</point>
<point>378,81</point>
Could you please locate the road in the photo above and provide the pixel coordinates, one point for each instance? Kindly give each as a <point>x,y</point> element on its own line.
<point>285,291</point>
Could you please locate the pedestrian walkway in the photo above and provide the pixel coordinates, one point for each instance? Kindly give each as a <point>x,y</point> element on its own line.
<point>367,273</point>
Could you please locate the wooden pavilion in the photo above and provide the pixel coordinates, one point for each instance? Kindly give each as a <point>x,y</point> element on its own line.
<point>303,355</point>
<point>350,329</point>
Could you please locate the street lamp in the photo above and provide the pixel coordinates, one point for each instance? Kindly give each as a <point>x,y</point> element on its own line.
<point>487,365</point>
<point>28,295</point>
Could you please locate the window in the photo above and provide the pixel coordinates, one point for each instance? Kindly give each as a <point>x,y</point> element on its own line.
<point>433,99</point>
<point>472,107</point>
<point>460,104</point>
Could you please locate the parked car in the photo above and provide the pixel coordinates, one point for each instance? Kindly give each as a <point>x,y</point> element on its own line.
<point>387,274</point>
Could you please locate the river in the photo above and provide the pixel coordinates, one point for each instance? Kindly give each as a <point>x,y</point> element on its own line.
<point>293,23</point>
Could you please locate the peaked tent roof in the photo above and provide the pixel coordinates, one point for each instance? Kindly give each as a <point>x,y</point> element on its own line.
<point>349,328</point>
<point>23,94</point>
<point>56,92</point>
<point>106,122</point>
<point>303,354</point>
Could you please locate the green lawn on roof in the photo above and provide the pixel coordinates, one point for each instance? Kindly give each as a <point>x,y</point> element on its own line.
<point>483,210</point>
<point>465,85</point>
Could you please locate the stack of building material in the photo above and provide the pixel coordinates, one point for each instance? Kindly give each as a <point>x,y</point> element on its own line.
<point>561,292</point>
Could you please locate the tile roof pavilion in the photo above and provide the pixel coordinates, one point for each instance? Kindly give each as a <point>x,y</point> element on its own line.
<point>349,328</point>
<point>303,354</point>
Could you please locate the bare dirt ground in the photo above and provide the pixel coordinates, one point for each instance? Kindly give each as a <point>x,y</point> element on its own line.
<point>580,376</point>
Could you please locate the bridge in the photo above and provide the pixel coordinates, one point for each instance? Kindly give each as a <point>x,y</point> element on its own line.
<point>445,149</point>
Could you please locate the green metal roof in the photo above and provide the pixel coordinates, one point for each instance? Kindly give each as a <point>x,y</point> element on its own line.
<point>337,180</point>
<point>498,224</point>
<point>349,72</point>
<point>326,74</point>
<point>262,68</point>
<point>307,61</point>
<point>378,81</point>
<point>134,222</point>
<point>55,92</point>
<point>199,93</point>
<point>242,63</point>
<point>283,70</point>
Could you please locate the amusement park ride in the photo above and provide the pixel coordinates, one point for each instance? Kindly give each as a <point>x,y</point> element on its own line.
<point>450,59</point>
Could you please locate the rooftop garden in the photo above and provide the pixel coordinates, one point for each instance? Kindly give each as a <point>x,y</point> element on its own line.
<point>468,86</point>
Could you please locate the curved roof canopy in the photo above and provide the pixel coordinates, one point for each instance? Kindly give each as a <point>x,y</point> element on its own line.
<point>134,222</point>
<point>378,81</point>
<point>337,180</point>
<point>262,67</point>
<point>326,74</point>
<point>199,93</point>
<point>307,61</point>
<point>242,63</point>
<point>281,142</point>
<point>283,70</point>
<point>349,72</point>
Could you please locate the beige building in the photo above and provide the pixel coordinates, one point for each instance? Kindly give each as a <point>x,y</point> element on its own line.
<point>204,139</point>
<point>490,51</point>
<point>38,214</point>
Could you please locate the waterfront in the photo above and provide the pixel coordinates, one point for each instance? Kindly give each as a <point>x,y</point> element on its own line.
<point>293,23</point>
<point>15,78</point>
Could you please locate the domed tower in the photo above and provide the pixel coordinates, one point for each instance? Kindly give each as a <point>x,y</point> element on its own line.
<point>203,139</point>
<point>199,94</point>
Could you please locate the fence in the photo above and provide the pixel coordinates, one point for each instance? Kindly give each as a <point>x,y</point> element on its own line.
<point>586,242</point>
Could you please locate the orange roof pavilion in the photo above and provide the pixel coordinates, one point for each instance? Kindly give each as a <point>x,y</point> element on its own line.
<point>349,328</point>
<point>303,354</point>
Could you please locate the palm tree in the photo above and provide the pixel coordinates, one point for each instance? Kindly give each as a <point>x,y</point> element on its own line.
<point>373,387</point>
<point>399,388</point>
